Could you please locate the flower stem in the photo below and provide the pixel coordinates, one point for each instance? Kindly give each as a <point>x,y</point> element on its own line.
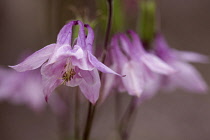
<point>108,29</point>
<point>89,121</point>
<point>92,108</point>
<point>76,116</point>
<point>126,121</point>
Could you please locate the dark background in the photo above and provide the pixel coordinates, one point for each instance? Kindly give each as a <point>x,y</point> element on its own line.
<point>32,24</point>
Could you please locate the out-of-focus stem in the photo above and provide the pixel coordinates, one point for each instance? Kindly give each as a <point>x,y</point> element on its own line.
<point>88,125</point>
<point>127,119</point>
<point>108,29</point>
<point>108,24</point>
<point>92,108</point>
<point>76,116</point>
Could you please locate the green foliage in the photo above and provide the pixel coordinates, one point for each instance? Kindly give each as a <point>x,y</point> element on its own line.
<point>118,16</point>
<point>118,23</point>
<point>147,21</point>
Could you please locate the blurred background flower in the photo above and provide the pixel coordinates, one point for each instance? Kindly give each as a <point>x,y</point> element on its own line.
<point>30,25</point>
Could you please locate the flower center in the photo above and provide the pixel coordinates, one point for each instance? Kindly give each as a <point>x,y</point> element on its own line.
<point>69,73</point>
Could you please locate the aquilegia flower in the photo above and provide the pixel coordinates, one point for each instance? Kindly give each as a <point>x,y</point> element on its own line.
<point>69,63</point>
<point>186,77</point>
<point>22,88</point>
<point>25,88</point>
<point>139,66</point>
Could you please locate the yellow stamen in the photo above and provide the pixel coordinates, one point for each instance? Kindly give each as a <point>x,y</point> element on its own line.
<point>69,73</point>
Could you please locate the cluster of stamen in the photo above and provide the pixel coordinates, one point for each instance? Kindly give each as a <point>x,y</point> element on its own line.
<point>68,75</point>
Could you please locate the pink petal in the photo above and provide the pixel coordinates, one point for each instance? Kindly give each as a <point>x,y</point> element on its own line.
<point>77,79</point>
<point>36,59</point>
<point>191,56</point>
<point>152,85</point>
<point>109,83</point>
<point>32,92</point>
<point>49,84</point>
<point>90,38</point>
<point>55,69</point>
<point>51,77</point>
<point>83,63</point>
<point>137,45</point>
<point>100,66</point>
<point>133,51</point>
<point>65,51</point>
<point>134,79</point>
<point>90,86</point>
<point>117,55</point>
<point>81,36</point>
<point>156,65</point>
<point>65,34</point>
<point>188,77</point>
<point>125,43</point>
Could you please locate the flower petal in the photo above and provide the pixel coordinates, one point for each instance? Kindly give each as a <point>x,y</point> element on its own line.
<point>191,56</point>
<point>100,66</point>
<point>134,79</point>
<point>188,77</point>
<point>129,48</point>
<point>90,38</point>
<point>137,45</point>
<point>116,53</point>
<point>91,84</point>
<point>108,84</point>
<point>49,84</point>
<point>54,69</point>
<point>32,91</point>
<point>81,36</point>
<point>77,79</point>
<point>83,63</point>
<point>51,77</point>
<point>35,60</point>
<point>156,65</point>
<point>65,34</point>
<point>65,51</point>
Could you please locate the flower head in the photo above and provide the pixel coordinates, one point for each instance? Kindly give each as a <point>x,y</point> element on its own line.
<point>139,66</point>
<point>69,63</point>
<point>186,77</point>
<point>21,88</point>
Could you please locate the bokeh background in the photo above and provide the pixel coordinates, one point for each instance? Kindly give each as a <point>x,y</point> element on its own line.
<point>32,24</point>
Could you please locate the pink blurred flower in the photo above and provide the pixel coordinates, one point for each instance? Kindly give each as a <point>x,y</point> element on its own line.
<point>140,67</point>
<point>25,88</point>
<point>186,77</point>
<point>22,88</point>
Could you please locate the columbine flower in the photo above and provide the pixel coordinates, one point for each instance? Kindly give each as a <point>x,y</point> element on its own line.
<point>186,77</point>
<point>25,88</point>
<point>139,66</point>
<point>22,88</point>
<point>69,63</point>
